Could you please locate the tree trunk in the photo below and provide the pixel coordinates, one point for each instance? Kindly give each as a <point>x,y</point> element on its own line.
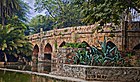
<point>3,21</point>
<point>5,57</point>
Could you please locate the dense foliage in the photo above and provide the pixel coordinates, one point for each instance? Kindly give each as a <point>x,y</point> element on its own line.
<point>107,55</point>
<point>12,39</point>
<point>67,13</point>
<point>106,10</point>
<point>10,8</point>
<point>64,13</point>
<point>13,15</point>
<point>40,21</point>
<point>75,45</point>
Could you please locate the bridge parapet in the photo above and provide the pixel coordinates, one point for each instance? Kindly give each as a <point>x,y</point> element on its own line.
<point>134,26</point>
<point>64,31</point>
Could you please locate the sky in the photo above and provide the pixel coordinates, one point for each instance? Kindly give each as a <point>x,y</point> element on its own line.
<point>32,11</point>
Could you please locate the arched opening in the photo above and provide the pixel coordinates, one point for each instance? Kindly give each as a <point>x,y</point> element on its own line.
<point>87,45</point>
<point>62,44</point>
<point>47,52</point>
<point>35,50</point>
<point>35,53</point>
<point>137,49</point>
<point>111,44</point>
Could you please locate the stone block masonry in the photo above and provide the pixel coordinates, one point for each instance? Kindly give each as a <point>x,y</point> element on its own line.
<point>101,73</point>
<point>89,34</point>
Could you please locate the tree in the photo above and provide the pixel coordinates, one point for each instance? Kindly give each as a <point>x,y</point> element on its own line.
<point>106,10</point>
<point>8,8</point>
<point>13,14</point>
<point>12,39</point>
<point>40,21</point>
<point>64,13</point>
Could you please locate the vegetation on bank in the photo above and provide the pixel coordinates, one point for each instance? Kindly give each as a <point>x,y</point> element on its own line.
<point>106,55</point>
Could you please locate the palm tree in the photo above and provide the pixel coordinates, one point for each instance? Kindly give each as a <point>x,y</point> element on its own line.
<point>13,41</point>
<point>8,8</point>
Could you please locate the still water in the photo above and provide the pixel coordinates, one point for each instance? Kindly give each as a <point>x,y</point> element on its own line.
<point>7,76</point>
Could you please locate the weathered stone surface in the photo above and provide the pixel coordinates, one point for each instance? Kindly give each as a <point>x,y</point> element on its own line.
<point>87,34</point>
<point>100,73</point>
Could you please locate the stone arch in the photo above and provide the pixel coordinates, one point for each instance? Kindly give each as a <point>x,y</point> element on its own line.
<point>35,53</point>
<point>111,44</point>
<point>137,47</point>
<point>87,45</point>
<point>36,50</point>
<point>62,44</point>
<point>48,52</point>
<point>48,48</point>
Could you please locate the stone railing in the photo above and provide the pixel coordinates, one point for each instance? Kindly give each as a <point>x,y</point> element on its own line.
<point>134,26</point>
<point>100,73</point>
<point>63,31</point>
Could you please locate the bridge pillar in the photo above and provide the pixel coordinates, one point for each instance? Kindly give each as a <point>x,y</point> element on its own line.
<point>41,53</point>
<point>124,35</point>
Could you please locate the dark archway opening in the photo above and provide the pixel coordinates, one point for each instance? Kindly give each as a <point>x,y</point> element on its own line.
<point>62,44</point>
<point>47,56</point>
<point>47,52</point>
<point>35,53</point>
<point>137,47</point>
<point>35,50</point>
<point>111,44</point>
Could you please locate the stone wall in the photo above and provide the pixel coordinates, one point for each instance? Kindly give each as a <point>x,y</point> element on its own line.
<point>100,73</point>
<point>63,53</point>
<point>88,34</point>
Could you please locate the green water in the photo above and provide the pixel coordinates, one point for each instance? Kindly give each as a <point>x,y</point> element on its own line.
<point>6,76</point>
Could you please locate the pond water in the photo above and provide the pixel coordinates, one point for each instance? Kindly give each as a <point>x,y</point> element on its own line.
<point>7,76</point>
<point>40,67</point>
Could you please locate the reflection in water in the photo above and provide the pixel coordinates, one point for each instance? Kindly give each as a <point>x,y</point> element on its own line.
<point>6,76</point>
<point>40,67</point>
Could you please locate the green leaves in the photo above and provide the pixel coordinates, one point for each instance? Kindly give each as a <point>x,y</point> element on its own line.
<point>4,46</point>
<point>9,8</point>
<point>64,13</point>
<point>76,45</point>
<point>12,39</point>
<point>106,56</point>
<point>106,10</point>
<point>40,21</point>
<point>82,57</point>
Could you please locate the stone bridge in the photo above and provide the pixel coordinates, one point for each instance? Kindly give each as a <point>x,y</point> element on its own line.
<point>46,43</point>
